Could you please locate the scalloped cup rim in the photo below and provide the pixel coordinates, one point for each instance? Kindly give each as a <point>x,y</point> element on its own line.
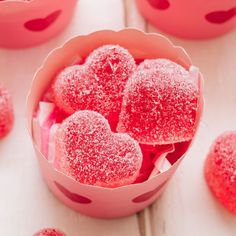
<point>17,1</point>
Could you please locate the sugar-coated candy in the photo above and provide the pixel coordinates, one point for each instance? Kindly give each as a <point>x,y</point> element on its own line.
<point>160,104</point>
<point>96,85</point>
<point>6,112</point>
<point>220,170</point>
<point>89,152</point>
<point>49,232</point>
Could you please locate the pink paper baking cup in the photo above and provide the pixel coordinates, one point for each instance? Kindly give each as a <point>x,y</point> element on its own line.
<point>27,23</point>
<point>190,18</point>
<point>92,200</point>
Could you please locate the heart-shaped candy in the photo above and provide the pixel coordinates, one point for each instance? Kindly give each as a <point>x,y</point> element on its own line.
<point>89,152</point>
<point>98,84</point>
<point>160,103</point>
<point>220,170</point>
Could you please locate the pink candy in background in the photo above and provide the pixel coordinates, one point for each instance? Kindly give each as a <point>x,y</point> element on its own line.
<point>190,18</point>
<point>49,232</point>
<point>93,200</point>
<point>220,166</point>
<point>27,23</point>
<point>6,112</point>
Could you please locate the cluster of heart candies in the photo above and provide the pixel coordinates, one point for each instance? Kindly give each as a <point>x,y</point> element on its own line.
<point>113,114</point>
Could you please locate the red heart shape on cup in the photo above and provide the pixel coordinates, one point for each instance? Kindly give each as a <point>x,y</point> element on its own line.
<point>220,17</point>
<point>41,24</point>
<point>159,4</point>
<point>146,196</point>
<point>73,196</point>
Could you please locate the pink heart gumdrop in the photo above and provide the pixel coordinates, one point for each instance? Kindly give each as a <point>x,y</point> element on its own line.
<point>160,103</point>
<point>89,152</point>
<point>220,170</point>
<point>96,85</point>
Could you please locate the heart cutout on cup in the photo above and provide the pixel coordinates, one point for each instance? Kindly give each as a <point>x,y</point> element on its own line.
<point>41,24</point>
<point>148,195</point>
<point>159,4</point>
<point>74,197</point>
<point>220,17</point>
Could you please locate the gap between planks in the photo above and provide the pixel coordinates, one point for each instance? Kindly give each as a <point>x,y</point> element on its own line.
<point>132,18</point>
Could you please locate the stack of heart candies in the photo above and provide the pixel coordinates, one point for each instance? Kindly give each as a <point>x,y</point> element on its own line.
<point>108,119</point>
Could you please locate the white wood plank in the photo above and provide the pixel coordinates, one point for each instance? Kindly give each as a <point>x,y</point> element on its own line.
<point>187,207</point>
<point>145,222</point>
<point>133,17</point>
<point>26,204</point>
<point>96,15</point>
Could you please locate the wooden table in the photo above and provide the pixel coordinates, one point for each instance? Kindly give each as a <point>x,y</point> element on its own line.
<point>186,208</point>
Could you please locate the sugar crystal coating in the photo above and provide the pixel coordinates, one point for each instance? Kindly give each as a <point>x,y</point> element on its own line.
<point>6,112</point>
<point>49,232</point>
<point>160,104</point>
<point>89,152</point>
<point>73,89</point>
<point>98,84</point>
<point>167,66</point>
<point>220,169</point>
